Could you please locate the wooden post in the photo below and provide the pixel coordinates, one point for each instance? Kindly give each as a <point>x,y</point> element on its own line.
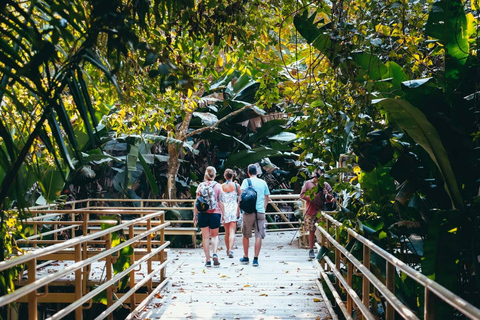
<point>349,282</point>
<point>338,255</point>
<point>162,253</point>
<point>78,282</point>
<point>86,269</point>
<point>32,296</point>
<point>149,249</point>
<point>390,312</point>
<point>429,311</point>
<point>366,283</point>
<point>108,266</point>
<point>132,273</point>
<point>73,229</point>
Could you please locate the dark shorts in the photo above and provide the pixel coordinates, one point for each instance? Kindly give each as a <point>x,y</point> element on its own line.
<point>211,220</point>
<point>250,224</point>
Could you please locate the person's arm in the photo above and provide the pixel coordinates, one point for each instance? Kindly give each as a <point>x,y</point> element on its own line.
<point>195,210</point>
<point>237,187</point>
<point>304,190</point>
<point>195,213</point>
<point>219,195</point>
<point>267,200</point>
<point>267,197</point>
<point>327,190</point>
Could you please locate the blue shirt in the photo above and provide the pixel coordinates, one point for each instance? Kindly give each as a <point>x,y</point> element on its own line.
<point>262,190</point>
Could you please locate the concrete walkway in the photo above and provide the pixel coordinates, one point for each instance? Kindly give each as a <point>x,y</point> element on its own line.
<point>282,287</point>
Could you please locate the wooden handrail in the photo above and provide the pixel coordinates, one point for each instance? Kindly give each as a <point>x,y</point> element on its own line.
<point>69,243</point>
<point>77,265</point>
<point>62,313</point>
<point>119,302</point>
<point>430,286</point>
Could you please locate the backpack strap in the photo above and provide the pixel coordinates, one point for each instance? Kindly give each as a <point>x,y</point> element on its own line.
<point>256,217</point>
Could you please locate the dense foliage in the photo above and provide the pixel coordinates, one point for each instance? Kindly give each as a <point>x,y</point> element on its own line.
<point>138,97</point>
<point>401,96</point>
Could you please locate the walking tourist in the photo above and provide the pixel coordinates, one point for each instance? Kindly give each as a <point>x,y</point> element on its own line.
<point>315,201</point>
<point>208,212</point>
<point>229,198</point>
<point>253,212</point>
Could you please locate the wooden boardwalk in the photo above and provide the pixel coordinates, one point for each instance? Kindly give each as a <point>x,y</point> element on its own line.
<point>282,287</point>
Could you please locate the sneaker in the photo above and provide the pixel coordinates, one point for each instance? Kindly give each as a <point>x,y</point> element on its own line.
<point>230,254</point>
<point>255,262</point>
<point>216,263</point>
<point>208,264</point>
<point>311,254</point>
<point>244,260</point>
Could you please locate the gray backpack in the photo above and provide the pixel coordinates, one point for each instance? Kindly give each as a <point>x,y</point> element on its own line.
<point>206,200</point>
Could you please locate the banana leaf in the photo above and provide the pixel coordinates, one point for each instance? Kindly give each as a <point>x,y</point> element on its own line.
<point>413,121</point>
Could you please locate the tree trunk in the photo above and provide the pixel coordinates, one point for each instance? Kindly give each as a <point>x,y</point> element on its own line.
<point>173,156</point>
<point>173,165</point>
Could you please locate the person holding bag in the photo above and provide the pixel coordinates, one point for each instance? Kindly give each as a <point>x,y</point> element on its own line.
<point>315,200</point>
<point>229,198</point>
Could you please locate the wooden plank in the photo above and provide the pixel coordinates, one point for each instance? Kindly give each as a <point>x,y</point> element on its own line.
<point>283,286</point>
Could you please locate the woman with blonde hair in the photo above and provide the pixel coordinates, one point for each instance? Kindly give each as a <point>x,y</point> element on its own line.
<point>229,198</point>
<point>208,212</point>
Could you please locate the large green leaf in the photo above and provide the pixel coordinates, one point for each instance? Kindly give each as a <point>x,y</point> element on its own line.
<point>442,254</point>
<point>149,174</point>
<point>243,158</point>
<point>377,184</point>
<point>447,23</point>
<point>269,128</point>
<point>51,183</point>
<point>413,121</point>
<point>371,64</point>
<point>319,37</point>
<point>217,135</point>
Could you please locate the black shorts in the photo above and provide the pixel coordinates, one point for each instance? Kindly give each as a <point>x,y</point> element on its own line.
<point>211,220</point>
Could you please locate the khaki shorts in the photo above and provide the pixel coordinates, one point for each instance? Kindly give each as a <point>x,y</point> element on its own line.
<point>310,222</point>
<point>249,225</point>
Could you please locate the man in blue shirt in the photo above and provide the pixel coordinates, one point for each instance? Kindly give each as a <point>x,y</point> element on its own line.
<point>254,221</point>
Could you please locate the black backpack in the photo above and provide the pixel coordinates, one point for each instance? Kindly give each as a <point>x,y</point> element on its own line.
<point>248,199</point>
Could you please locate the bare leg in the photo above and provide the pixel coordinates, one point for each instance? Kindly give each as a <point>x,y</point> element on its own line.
<point>214,235</point>
<point>245,247</point>
<point>227,236</point>
<point>311,239</point>
<point>258,246</point>
<point>206,242</point>
<point>232,227</point>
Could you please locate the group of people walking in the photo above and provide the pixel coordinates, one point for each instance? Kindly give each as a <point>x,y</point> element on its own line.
<point>224,207</point>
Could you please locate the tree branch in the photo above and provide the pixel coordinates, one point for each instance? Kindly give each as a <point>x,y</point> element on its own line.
<point>216,124</point>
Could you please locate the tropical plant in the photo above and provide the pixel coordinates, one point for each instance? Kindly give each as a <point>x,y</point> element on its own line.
<point>420,163</point>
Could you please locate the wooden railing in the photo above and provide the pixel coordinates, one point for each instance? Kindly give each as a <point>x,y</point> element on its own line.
<point>282,205</point>
<point>77,237</point>
<point>83,251</point>
<point>433,291</point>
